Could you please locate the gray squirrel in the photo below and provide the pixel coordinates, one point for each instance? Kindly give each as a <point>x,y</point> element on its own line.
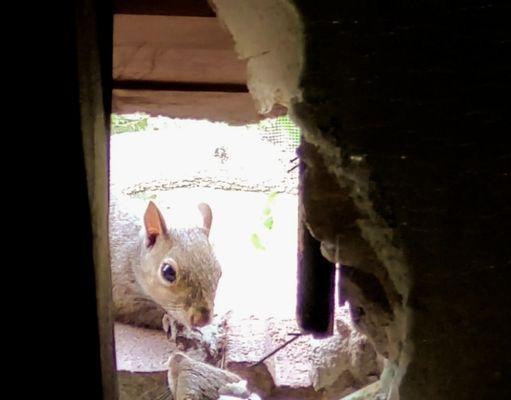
<point>161,275</point>
<point>190,379</point>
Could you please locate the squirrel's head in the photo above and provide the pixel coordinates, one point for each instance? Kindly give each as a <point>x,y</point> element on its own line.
<point>178,268</point>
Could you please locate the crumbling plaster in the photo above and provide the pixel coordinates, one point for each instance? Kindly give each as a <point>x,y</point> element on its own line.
<point>270,35</point>
<point>399,109</point>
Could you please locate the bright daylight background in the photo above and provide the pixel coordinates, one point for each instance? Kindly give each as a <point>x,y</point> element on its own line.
<point>242,173</point>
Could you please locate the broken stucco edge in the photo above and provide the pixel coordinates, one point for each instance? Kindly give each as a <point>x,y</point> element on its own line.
<point>381,239</point>
<point>373,228</point>
<point>269,35</point>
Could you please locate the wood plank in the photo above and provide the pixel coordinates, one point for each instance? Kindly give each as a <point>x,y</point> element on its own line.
<point>233,108</point>
<point>176,49</point>
<point>180,86</point>
<point>93,32</point>
<point>197,8</point>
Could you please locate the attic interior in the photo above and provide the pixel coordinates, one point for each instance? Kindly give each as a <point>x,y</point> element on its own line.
<point>404,179</point>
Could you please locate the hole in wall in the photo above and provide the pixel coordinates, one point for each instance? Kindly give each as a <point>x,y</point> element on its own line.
<point>253,231</point>
<point>247,175</point>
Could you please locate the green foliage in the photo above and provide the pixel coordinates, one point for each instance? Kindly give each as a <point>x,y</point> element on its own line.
<point>256,241</point>
<point>267,222</point>
<point>292,130</point>
<point>128,123</point>
<point>283,124</point>
<point>145,196</point>
<point>271,197</point>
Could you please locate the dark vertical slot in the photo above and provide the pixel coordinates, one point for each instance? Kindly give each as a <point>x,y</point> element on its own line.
<point>316,278</point>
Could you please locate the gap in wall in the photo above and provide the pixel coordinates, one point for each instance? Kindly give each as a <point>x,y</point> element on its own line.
<point>243,173</point>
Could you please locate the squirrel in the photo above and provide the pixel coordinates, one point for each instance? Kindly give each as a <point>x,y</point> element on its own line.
<point>159,272</point>
<point>190,379</point>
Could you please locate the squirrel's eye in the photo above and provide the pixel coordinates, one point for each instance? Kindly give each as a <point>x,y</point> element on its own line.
<point>168,272</point>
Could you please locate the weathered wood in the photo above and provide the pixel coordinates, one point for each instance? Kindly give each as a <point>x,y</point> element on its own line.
<point>198,8</point>
<point>93,50</point>
<point>233,108</point>
<point>175,49</point>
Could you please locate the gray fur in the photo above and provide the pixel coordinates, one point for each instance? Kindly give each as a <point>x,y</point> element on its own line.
<point>189,379</point>
<point>139,296</point>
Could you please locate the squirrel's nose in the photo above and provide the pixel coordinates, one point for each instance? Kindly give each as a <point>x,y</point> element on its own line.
<point>200,317</point>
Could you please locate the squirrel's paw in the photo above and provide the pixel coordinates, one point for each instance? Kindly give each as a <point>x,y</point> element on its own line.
<point>176,332</point>
<point>169,326</point>
<point>235,389</point>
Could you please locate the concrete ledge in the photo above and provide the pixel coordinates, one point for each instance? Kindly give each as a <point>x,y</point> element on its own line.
<point>141,350</point>
<point>306,369</point>
<point>141,355</point>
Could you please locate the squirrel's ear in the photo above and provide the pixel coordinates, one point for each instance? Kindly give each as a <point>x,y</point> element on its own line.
<point>207,216</point>
<point>154,224</point>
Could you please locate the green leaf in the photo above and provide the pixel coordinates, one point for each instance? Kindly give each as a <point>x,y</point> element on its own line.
<point>268,223</point>
<point>256,241</point>
<point>272,196</point>
<point>145,195</point>
<point>128,123</point>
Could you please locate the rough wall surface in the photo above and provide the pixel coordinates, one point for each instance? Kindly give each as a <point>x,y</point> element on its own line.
<point>404,108</point>
<point>407,106</point>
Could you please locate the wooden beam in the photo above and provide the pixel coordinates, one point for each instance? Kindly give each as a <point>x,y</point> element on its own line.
<point>191,8</point>
<point>93,33</point>
<point>174,49</point>
<point>233,108</point>
<point>180,86</point>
